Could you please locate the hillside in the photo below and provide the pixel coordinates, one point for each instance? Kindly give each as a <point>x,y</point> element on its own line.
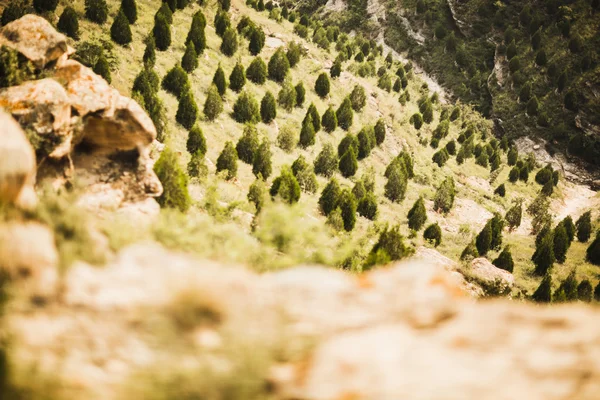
<point>131,163</point>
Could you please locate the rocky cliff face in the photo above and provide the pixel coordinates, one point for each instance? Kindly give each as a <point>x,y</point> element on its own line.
<point>70,109</point>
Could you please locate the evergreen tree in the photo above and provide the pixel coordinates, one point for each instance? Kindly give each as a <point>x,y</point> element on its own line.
<point>69,23</point>
<point>329,120</point>
<point>584,291</point>
<point>247,145</point>
<point>286,186</point>
<point>505,260</point>
<point>196,33</point>
<point>389,247</point>
<point>336,69</point>
<point>500,190</point>
<point>174,181</point>
<point>237,79</point>
<point>222,22</point>
<point>246,109</point>
<point>196,142</point>
<point>497,226</point>
<point>533,106</point>
<point>187,111</point>
<point>543,293</point>
<point>367,206</point>
<point>166,12</point>
<point>278,66</point>
<point>513,155</point>
<point>417,120</point>
<point>219,80</point>
<point>229,45</point>
<point>315,117</point>
<point>469,252</point>
<point>307,134</point>
<point>129,7</point>
<point>348,141</point>
<point>569,288</point>
<point>484,239</point>
<point>345,114</point>
<point>330,197</point>
<point>348,163</point>
<point>227,161</point>
<point>225,4</point>
<point>189,61</point>
<point>322,85</point>
<point>543,258</point>
<point>380,132</point>
<point>258,194</point>
<point>567,222</point>
<point>592,254</point>
<point>150,52</point>
<point>120,32</point>
<point>444,197</point>
<point>268,108</point>
<point>305,175</point>
<point>102,68</point>
<point>161,32</point>
<point>347,204</point>
<point>395,188</point>
<point>176,81</point>
<point>366,142</point>
<point>257,71</point>
<point>326,162</point>
<point>213,106</point>
<point>43,6</point>
<point>293,54</point>
<point>196,167</point>
<point>417,215</point>
<point>300,94</point>
<point>96,11</point>
<point>597,292</point>
<point>358,98</point>
<point>257,41</point>
<point>433,234</point>
<point>287,96</point>
<point>584,227</point>
<point>261,166</point>
<point>287,139</point>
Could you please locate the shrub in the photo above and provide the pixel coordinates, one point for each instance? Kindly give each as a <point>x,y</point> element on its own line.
<point>189,61</point>
<point>358,98</point>
<point>484,239</point>
<point>533,106</point>
<point>257,71</point>
<point>120,32</point>
<point>326,162</point>
<point>129,7</point>
<point>330,196</point>
<point>247,145</point>
<point>257,41</point>
<point>278,66</point>
<point>227,160</point>
<point>417,215</point>
<point>237,79</point>
<point>417,120</point>
<point>504,260</point>
<point>584,227</point>
<point>329,120</point>
<point>268,108</point>
<point>543,294</point>
<point>166,12</point>
<point>347,204</point>
<point>584,291</point>
<point>261,166</point>
<point>287,139</point>
<point>543,258</point>
<point>469,252</point>
<point>161,32</point>
<point>336,69</point>
<point>42,6</point>
<point>174,181</point>
<point>440,157</point>
<point>512,156</point>
<point>307,133</point>
<point>300,94</point>
<point>379,132</point>
<point>149,57</point>
<point>96,11</point>
<point>500,190</point>
<point>366,141</point>
<point>246,109</point>
<point>322,85</point>
<point>514,65</point>
<point>225,4</point>
<point>187,111</point>
<point>229,45</point>
<point>592,254</point>
<point>497,225</point>
<point>367,206</point>
<point>196,142</point>
<point>345,114</point>
<point>196,167</point>
<point>196,33</point>
<point>293,54</point>
<point>315,117</point>
<point>444,196</point>
<point>222,22</point>
<point>395,187</point>
<point>348,163</point>
<point>213,106</point>
<point>257,194</point>
<point>348,141</point>
<point>287,96</point>
<point>286,186</point>
<point>389,247</point>
<point>305,175</point>
<point>69,23</point>
<point>433,234</point>
<point>567,291</point>
<point>102,68</point>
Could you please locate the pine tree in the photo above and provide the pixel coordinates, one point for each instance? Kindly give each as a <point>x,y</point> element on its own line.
<point>237,79</point>
<point>307,134</point>
<point>261,166</point>
<point>222,22</point>
<point>293,54</point>
<point>567,222</point>
<point>278,66</point>
<point>347,204</point>
<point>433,234</point>
<point>348,163</point>
<point>69,23</point>
<point>379,132</point>
<point>150,52</point>
<point>592,254</point>
<point>229,45</point>
<point>130,9</point>
<point>166,12</point>
<point>213,106</point>
<point>584,227</point>
<point>257,194</point>
<point>395,188</point>
<point>120,32</point>
<point>569,288</point>
<point>161,32</point>
<point>358,98</point>
<point>287,96</point>
<point>330,197</point>
<point>96,11</point>
<point>367,206</point>
<point>329,120</point>
<point>219,80</point>
<point>543,258</point>
<point>315,117</point>
<point>584,291</point>
<point>417,120</point>
<point>172,4</point>
<point>189,62</point>
<point>225,4</point>
<point>247,145</point>
<point>174,181</point>
<point>345,114</point>
<point>497,227</point>
<point>484,239</point>
<point>257,41</point>
<point>268,108</point>
<point>543,293</point>
<point>300,94</point>
<point>322,85</point>
<point>196,33</point>
<point>287,139</point>
<point>348,141</point>
<point>326,162</point>
<point>444,197</point>
<point>417,215</point>
<point>187,111</point>
<point>196,167</point>
<point>257,71</point>
<point>196,142</point>
<point>597,292</point>
<point>389,247</point>
<point>102,68</point>
<point>43,6</point>
<point>227,161</point>
<point>505,260</point>
<point>176,81</point>
<point>469,252</point>
<point>286,186</point>
<point>500,190</point>
<point>12,12</point>
<point>336,69</point>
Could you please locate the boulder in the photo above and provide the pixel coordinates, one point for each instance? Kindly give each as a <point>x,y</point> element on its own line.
<point>36,39</point>
<point>493,280</point>
<point>17,164</point>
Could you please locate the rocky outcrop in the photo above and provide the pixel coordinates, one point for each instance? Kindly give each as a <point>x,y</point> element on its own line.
<point>17,164</point>
<point>73,106</point>
<point>406,331</point>
<point>493,280</point>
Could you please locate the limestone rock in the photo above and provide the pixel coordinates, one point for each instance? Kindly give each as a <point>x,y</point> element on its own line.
<point>17,164</point>
<point>495,281</point>
<point>35,38</point>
